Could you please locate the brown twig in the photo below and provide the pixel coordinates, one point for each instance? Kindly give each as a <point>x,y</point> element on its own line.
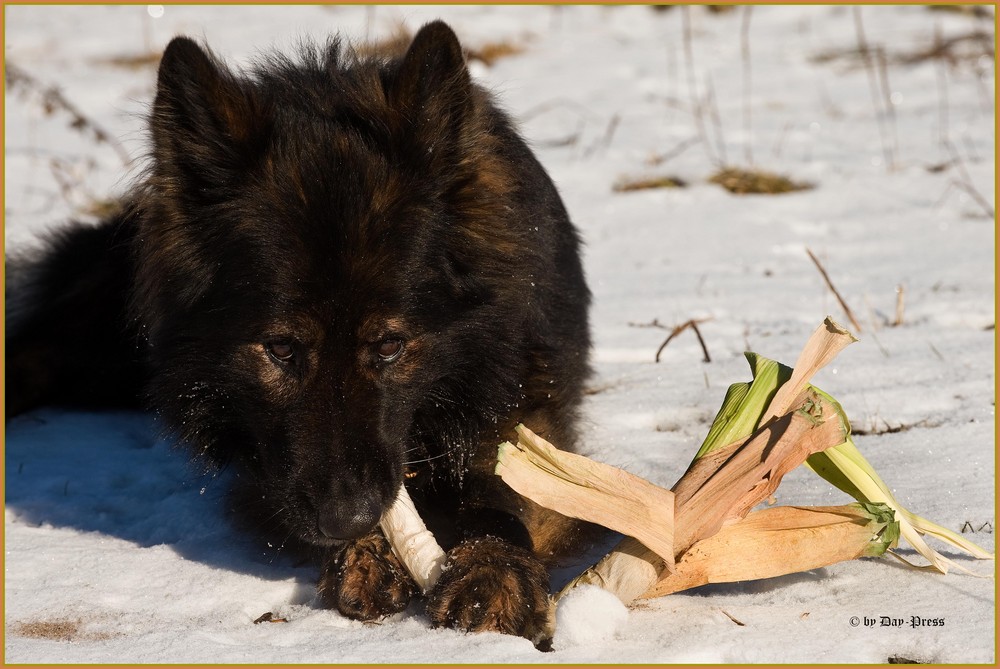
<point>944,49</point>
<point>843,304</point>
<point>655,323</point>
<point>53,99</point>
<point>693,324</point>
<point>583,115</point>
<point>269,618</point>
<point>730,616</point>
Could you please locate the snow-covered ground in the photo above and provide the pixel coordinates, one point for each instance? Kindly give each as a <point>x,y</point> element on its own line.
<point>116,550</point>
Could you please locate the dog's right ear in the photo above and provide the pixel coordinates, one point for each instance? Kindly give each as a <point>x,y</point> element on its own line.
<point>433,88</point>
<point>205,119</point>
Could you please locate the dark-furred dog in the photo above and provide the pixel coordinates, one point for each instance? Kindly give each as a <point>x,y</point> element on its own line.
<point>337,272</point>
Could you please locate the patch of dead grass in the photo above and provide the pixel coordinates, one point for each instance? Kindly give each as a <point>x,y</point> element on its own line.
<point>60,629</point>
<point>742,181</point>
<point>629,184</point>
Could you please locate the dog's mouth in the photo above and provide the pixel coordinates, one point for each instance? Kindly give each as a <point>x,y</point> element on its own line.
<point>315,538</point>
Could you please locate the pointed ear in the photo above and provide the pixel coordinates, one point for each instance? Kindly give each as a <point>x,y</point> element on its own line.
<point>433,88</point>
<point>203,117</point>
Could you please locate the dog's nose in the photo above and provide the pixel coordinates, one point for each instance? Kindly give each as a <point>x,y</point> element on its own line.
<point>350,519</point>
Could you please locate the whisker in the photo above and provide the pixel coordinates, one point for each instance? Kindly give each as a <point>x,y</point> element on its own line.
<point>434,457</point>
<point>281,547</point>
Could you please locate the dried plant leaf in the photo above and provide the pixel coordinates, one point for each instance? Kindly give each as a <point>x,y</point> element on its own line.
<point>718,489</point>
<point>582,488</point>
<point>752,471</point>
<point>828,340</point>
<point>782,540</point>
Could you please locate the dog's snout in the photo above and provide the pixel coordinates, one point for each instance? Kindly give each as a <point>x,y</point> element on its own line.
<point>343,520</point>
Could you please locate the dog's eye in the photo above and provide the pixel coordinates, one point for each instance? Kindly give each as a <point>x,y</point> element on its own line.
<point>389,350</point>
<point>280,351</point>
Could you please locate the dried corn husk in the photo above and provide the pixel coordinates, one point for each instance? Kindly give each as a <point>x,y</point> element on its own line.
<point>782,540</point>
<point>582,488</point>
<point>843,465</point>
<point>733,471</point>
<point>718,489</point>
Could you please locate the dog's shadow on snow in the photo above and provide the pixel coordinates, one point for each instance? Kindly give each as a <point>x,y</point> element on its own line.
<point>111,473</point>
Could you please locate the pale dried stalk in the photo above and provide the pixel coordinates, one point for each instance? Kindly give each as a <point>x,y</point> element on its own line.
<point>412,542</point>
<point>628,571</point>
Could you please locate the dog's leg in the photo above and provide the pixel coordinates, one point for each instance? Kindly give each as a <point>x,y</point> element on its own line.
<point>496,577</point>
<point>68,340</point>
<point>364,580</point>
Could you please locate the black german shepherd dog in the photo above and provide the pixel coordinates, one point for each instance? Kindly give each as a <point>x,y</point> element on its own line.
<point>337,272</point>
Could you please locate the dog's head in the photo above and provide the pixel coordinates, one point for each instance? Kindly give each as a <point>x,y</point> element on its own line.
<point>323,269</point>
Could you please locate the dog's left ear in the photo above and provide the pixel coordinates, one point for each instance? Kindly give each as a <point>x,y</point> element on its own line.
<point>206,122</point>
<point>432,88</point>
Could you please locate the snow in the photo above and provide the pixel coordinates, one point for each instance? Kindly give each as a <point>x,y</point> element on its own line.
<point>588,615</point>
<point>117,549</point>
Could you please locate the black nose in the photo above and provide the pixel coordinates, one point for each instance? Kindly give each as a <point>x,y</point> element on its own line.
<point>349,519</point>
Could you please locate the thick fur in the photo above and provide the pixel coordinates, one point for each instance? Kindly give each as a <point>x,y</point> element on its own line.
<point>335,272</point>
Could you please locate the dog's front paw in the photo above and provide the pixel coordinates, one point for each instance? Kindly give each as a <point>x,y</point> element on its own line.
<point>491,585</point>
<point>366,581</point>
